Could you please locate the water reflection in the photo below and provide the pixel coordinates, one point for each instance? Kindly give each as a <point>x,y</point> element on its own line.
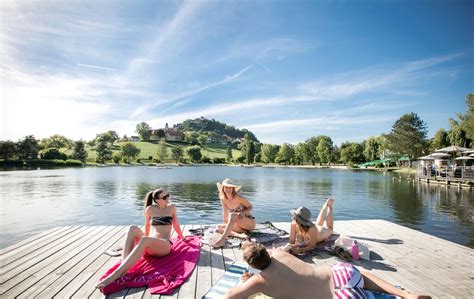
<point>115,196</point>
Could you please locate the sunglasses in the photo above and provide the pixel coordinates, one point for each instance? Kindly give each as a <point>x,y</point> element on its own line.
<point>167,195</point>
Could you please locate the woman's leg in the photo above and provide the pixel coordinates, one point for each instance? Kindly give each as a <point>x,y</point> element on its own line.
<point>151,246</point>
<point>324,214</point>
<point>374,283</point>
<point>244,224</point>
<point>133,236</point>
<point>227,231</point>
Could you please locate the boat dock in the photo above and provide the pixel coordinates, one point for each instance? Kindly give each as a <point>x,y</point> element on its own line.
<point>66,262</point>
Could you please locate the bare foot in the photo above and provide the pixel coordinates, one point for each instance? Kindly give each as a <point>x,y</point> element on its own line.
<point>329,202</point>
<point>108,280</point>
<point>219,243</point>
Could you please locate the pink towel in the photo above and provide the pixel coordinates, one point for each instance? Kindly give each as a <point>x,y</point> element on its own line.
<point>161,274</point>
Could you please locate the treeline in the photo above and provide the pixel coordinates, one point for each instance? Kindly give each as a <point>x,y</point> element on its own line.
<point>213,127</point>
<point>408,138</point>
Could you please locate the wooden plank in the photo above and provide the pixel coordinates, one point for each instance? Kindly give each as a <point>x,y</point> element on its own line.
<point>204,272</point>
<point>98,259</point>
<point>34,239</point>
<point>40,260</point>
<point>24,280</point>
<point>188,289</point>
<point>35,247</point>
<point>86,257</point>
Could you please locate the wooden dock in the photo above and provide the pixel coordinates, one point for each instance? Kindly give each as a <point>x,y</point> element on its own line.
<point>66,262</point>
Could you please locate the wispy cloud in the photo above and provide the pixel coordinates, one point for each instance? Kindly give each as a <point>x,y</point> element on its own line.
<point>97,67</point>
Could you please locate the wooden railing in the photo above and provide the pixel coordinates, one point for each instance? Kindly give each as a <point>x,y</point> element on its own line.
<point>455,173</point>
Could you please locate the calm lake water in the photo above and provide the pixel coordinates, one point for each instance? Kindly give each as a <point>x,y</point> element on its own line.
<point>36,200</point>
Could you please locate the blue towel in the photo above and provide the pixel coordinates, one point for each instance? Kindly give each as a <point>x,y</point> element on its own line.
<point>229,280</point>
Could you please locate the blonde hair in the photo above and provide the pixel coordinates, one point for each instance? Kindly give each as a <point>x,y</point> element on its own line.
<point>303,230</point>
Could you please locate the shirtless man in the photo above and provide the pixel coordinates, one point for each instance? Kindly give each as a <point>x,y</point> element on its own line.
<point>285,276</point>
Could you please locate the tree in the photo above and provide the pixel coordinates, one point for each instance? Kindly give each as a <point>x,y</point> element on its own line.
<point>28,148</point>
<point>80,152</point>
<point>352,153</point>
<point>104,153</point>
<point>300,153</point>
<point>162,152</point>
<point>191,137</point>
<point>7,149</point>
<point>177,153</point>
<point>129,150</point>
<point>229,153</point>
<point>311,150</point>
<point>372,147</point>
<point>285,154</point>
<point>53,154</point>
<point>144,131</point>
<point>269,152</point>
<point>408,136</point>
<point>461,132</point>
<point>439,140</point>
<point>202,138</point>
<point>194,153</point>
<point>324,149</point>
<point>248,149</point>
<point>56,141</point>
<point>111,136</point>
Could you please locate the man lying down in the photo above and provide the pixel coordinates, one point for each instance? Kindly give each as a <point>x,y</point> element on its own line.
<point>285,276</point>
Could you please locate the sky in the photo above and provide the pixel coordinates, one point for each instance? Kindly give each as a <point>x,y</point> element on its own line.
<point>285,70</point>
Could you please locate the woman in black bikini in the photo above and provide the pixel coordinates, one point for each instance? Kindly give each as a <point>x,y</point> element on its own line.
<point>236,211</point>
<point>155,241</point>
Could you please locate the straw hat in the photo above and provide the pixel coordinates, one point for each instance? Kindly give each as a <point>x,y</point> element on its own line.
<point>302,215</point>
<point>228,183</point>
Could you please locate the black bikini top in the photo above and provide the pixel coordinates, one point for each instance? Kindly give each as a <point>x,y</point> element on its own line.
<point>161,220</point>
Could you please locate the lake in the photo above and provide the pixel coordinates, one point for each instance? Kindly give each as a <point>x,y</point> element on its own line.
<point>35,200</point>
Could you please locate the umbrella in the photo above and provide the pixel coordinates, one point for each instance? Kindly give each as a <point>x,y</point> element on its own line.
<point>453,149</point>
<point>426,158</point>
<point>471,155</point>
<point>468,152</point>
<point>439,155</point>
<point>464,158</point>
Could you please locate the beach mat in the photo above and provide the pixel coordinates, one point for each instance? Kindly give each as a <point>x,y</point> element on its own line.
<point>265,233</point>
<point>162,275</point>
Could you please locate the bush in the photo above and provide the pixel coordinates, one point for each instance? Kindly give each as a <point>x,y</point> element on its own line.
<point>217,160</point>
<point>240,159</point>
<point>72,162</point>
<point>205,160</point>
<point>53,154</point>
<point>117,157</point>
<point>11,162</point>
<point>44,162</point>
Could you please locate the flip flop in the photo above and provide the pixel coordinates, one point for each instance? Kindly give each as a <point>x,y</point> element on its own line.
<point>113,252</point>
<point>342,254</point>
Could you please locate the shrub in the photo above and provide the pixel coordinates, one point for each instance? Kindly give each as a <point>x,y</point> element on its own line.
<point>72,162</point>
<point>117,157</point>
<point>240,159</point>
<point>53,153</point>
<point>217,160</point>
<point>205,160</point>
<point>11,162</point>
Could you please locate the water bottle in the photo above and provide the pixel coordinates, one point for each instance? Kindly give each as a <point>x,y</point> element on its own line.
<point>355,250</point>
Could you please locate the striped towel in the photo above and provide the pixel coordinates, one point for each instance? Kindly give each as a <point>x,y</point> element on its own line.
<point>229,280</point>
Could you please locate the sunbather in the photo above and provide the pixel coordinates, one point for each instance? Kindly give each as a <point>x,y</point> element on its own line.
<point>155,241</point>
<point>236,213</point>
<point>304,234</point>
<point>285,276</point>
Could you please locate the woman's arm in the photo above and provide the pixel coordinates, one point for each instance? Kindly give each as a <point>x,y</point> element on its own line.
<point>225,211</point>
<point>292,238</point>
<point>313,234</point>
<point>176,226</point>
<point>147,221</point>
<point>374,283</point>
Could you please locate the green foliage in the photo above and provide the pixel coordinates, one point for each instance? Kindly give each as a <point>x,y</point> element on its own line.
<point>240,159</point>
<point>352,153</point>
<point>80,152</point>
<point>285,154</point>
<point>311,150</point>
<point>300,153</point>
<point>324,149</point>
<point>116,157</point>
<point>194,153</point>
<point>7,149</point>
<point>218,160</point>
<point>408,136</point>
<point>143,130</point>
<point>191,137</point>
<point>439,140</point>
<point>248,149</point>
<point>56,141</point>
<point>205,159</point>
<point>373,147</point>
<point>177,154</point>
<point>210,125</point>
<point>129,151</point>
<point>28,148</point>
<point>162,151</point>
<point>10,162</point>
<point>202,139</point>
<point>269,152</point>
<point>257,158</point>
<point>53,154</point>
<point>229,153</point>
<point>461,132</point>
<point>104,153</point>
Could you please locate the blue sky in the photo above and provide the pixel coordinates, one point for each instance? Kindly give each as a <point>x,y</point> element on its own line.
<point>286,70</point>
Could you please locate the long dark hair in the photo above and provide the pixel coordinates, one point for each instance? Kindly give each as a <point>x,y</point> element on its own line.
<point>151,197</point>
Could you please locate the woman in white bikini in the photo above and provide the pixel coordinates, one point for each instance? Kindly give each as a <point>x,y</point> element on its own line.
<point>304,234</point>
<point>236,212</point>
<point>160,218</point>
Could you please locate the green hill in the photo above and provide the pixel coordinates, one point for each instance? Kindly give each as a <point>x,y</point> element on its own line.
<point>211,126</point>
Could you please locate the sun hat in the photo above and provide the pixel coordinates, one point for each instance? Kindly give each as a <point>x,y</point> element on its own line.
<point>228,183</point>
<point>302,215</point>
